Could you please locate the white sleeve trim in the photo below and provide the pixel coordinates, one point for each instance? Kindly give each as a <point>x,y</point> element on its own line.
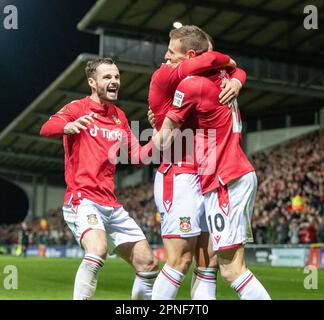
<point>61,118</point>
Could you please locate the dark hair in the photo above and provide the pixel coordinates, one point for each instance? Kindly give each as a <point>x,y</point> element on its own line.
<point>92,65</point>
<point>191,38</point>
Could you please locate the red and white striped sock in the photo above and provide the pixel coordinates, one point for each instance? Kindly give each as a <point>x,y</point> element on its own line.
<point>203,284</point>
<point>249,287</point>
<point>143,284</point>
<point>86,278</point>
<point>167,284</point>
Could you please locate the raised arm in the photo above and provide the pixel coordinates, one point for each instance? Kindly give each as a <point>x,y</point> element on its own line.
<point>66,121</point>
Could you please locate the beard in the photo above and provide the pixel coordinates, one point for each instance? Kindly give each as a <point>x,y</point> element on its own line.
<point>102,94</point>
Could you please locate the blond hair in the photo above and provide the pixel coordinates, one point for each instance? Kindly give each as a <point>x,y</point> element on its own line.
<point>191,38</point>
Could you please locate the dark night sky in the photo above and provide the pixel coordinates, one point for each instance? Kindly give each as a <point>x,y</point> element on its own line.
<point>46,42</point>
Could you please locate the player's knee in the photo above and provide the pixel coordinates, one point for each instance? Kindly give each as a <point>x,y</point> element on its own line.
<point>99,250</point>
<point>227,275</point>
<point>151,263</point>
<point>231,273</point>
<point>95,242</point>
<point>155,264</point>
<point>185,264</point>
<point>181,264</point>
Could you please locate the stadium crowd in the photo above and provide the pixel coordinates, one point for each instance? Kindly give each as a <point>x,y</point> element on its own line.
<point>289,206</point>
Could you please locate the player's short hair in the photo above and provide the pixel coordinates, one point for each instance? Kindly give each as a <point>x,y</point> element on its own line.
<point>210,40</point>
<point>92,65</point>
<point>191,38</point>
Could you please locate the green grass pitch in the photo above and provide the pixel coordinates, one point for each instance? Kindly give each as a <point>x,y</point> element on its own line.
<point>51,279</point>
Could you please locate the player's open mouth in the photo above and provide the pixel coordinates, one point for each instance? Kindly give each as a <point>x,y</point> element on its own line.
<point>112,90</point>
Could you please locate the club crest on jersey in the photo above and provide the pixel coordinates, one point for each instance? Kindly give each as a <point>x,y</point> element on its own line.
<point>116,119</point>
<point>92,219</point>
<point>185,224</point>
<point>178,98</point>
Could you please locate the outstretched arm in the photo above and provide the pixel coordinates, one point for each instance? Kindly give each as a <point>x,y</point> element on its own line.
<point>204,62</point>
<point>55,127</point>
<point>163,139</point>
<point>137,154</point>
<point>66,121</point>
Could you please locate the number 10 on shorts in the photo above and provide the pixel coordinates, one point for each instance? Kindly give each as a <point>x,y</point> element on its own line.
<point>216,223</point>
<point>216,226</point>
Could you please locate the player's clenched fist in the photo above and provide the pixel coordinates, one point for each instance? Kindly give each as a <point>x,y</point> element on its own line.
<point>79,124</point>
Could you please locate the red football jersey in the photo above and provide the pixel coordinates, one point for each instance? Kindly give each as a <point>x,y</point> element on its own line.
<point>91,156</point>
<point>163,84</point>
<point>218,152</point>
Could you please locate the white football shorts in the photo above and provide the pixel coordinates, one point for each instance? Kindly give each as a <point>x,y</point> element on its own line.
<point>229,211</point>
<point>116,222</point>
<point>181,205</point>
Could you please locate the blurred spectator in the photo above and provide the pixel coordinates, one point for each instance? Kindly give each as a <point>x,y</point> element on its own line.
<point>294,232</point>
<point>320,230</point>
<point>23,240</point>
<point>298,203</point>
<point>307,232</point>
<point>282,231</point>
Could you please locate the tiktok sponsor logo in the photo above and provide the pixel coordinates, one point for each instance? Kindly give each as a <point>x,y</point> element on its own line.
<point>10,21</point>
<point>110,135</point>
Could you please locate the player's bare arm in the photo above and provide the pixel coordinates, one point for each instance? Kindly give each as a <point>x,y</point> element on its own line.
<point>79,124</point>
<point>164,138</point>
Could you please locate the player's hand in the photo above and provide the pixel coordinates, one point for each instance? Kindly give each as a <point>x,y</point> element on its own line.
<point>151,118</point>
<point>231,90</point>
<point>79,124</point>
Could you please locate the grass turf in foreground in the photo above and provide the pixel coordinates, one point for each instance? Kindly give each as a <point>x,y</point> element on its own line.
<point>51,279</point>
